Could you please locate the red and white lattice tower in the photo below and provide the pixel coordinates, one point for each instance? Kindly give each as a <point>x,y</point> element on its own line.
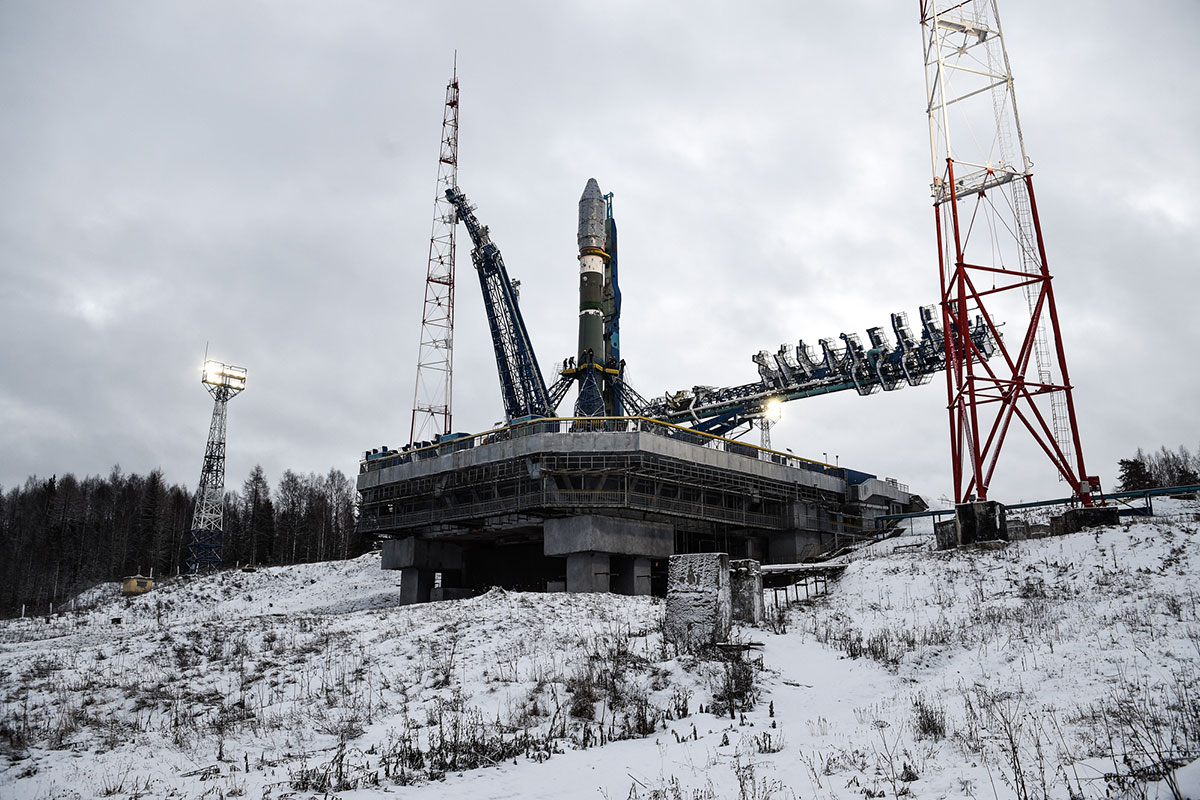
<point>435,361</point>
<point>992,257</point>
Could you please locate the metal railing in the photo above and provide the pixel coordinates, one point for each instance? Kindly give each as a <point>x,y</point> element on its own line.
<point>1073,502</point>
<point>572,498</point>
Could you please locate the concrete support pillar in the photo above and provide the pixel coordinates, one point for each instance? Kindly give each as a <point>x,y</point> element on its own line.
<point>588,572</point>
<point>607,553</point>
<point>415,585</point>
<point>418,561</point>
<point>630,575</point>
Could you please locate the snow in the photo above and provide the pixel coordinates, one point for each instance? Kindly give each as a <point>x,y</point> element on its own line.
<point>1053,667</point>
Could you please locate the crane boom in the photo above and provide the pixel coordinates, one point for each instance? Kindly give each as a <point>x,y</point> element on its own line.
<point>521,383</point>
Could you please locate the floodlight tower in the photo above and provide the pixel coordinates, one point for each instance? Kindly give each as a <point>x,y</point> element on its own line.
<point>992,255</point>
<point>204,550</point>
<point>435,361</point>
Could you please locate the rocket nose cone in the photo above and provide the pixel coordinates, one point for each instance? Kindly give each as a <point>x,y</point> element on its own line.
<point>592,191</point>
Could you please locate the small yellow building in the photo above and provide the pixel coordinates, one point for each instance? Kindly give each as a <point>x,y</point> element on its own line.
<point>136,584</point>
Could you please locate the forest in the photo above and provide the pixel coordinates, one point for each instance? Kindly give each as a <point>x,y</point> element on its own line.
<point>61,535</point>
<point>1158,469</point>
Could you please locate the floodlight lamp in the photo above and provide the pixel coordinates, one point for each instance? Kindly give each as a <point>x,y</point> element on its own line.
<point>773,409</point>
<point>217,374</point>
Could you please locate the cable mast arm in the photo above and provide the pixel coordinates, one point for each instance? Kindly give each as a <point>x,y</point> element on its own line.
<point>521,384</point>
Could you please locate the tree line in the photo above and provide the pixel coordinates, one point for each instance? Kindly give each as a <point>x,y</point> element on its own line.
<point>1163,468</point>
<point>61,535</point>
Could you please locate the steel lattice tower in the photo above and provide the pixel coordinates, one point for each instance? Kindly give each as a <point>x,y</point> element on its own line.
<point>204,550</point>
<point>435,361</point>
<point>992,256</point>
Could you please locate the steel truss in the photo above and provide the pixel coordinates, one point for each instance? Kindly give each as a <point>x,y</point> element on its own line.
<point>432,411</point>
<point>991,254</point>
<point>205,544</point>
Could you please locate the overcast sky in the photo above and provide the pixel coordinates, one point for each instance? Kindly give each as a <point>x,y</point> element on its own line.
<point>259,177</point>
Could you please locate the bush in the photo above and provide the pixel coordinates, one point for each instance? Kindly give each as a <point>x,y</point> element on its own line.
<point>929,718</point>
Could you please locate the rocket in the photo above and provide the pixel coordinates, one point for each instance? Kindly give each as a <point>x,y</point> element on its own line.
<point>599,366</point>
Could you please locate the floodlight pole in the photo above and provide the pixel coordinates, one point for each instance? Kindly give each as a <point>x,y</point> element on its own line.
<point>204,549</point>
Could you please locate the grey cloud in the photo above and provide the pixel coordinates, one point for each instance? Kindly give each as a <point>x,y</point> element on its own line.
<point>260,177</point>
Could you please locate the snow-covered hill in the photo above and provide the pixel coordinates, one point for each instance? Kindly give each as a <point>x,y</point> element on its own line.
<point>1064,667</point>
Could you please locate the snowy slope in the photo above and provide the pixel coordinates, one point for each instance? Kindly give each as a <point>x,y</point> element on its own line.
<point>1053,667</point>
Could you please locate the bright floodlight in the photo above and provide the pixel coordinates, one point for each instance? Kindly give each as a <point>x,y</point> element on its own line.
<point>773,410</point>
<point>223,375</point>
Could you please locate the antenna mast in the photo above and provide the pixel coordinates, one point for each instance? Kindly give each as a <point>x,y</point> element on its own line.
<point>431,414</point>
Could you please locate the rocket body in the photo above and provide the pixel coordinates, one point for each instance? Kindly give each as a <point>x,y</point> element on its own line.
<point>592,258</point>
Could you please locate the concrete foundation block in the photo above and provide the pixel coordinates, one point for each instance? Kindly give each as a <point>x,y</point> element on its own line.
<point>746,590</point>
<point>421,553</point>
<point>946,533</point>
<point>415,585</point>
<point>1018,530</point>
<point>597,534</point>
<point>699,609</point>
<point>588,572</point>
<point>980,522</point>
<point>1077,519</point>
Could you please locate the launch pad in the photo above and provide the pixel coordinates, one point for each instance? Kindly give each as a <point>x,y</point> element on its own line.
<point>598,501</point>
<point>598,504</point>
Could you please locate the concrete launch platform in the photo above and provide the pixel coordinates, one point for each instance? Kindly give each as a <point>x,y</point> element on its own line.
<point>599,504</point>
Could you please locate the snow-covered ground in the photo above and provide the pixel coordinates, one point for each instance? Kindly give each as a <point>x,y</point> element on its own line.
<point>1060,667</point>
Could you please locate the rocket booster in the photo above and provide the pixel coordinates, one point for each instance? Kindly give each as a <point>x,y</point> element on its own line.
<point>592,257</point>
